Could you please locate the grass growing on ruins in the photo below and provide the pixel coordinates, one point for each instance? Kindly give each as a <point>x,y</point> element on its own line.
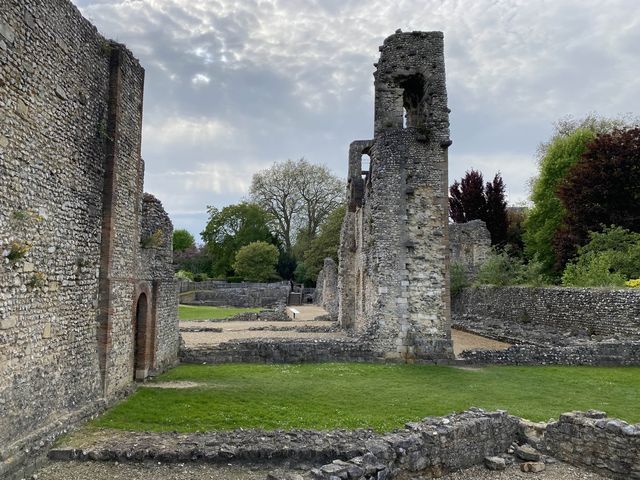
<point>199,312</point>
<point>382,397</point>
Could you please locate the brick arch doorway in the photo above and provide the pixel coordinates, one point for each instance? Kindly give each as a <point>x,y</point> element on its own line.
<point>143,336</point>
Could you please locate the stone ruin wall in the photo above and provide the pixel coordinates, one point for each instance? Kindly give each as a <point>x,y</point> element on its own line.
<point>71,194</point>
<point>326,292</point>
<point>470,245</point>
<point>242,295</point>
<point>394,278</point>
<point>587,311</point>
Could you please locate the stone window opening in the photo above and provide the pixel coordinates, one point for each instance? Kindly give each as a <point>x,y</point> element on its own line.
<point>413,101</point>
<point>140,353</point>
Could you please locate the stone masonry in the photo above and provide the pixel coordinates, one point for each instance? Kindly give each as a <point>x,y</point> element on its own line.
<point>394,251</point>
<point>87,296</point>
<point>470,245</point>
<point>326,293</point>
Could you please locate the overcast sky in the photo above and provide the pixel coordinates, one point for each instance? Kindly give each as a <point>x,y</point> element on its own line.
<point>235,85</point>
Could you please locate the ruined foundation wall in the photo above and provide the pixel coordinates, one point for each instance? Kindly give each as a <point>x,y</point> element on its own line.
<point>241,295</point>
<point>593,311</point>
<point>70,202</point>
<point>394,255</point>
<point>470,245</point>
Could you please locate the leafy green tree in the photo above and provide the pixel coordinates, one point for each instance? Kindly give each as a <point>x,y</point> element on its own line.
<point>230,229</point>
<point>602,188</point>
<point>182,240</point>
<point>298,196</point>
<point>556,157</point>
<point>547,214</point>
<point>324,245</point>
<point>257,261</point>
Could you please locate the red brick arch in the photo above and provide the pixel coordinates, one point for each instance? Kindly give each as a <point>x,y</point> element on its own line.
<point>143,325</point>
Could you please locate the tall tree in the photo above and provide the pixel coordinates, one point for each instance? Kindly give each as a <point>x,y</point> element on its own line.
<point>256,262</point>
<point>555,158</point>
<point>230,229</point>
<point>470,199</point>
<point>602,188</point>
<point>297,195</point>
<point>182,240</point>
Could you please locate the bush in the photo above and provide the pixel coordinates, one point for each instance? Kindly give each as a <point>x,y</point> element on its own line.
<point>501,269</point>
<point>235,279</point>
<point>184,275</point>
<point>634,283</point>
<point>257,261</point>
<point>458,278</point>
<point>593,270</point>
<point>200,277</point>
<point>609,259</point>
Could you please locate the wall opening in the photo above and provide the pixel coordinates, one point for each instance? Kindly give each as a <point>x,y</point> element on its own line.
<point>365,165</point>
<point>140,350</point>
<point>413,101</point>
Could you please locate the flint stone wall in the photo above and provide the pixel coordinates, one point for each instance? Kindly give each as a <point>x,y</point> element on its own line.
<point>607,446</point>
<point>326,293</point>
<point>394,247</point>
<point>71,197</point>
<point>470,245</point>
<point>597,311</point>
<point>242,295</point>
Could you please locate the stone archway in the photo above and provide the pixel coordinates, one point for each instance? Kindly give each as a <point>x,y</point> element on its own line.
<point>143,325</point>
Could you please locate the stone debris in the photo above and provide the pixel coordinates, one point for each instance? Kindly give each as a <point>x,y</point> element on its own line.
<point>532,467</point>
<point>495,463</point>
<point>527,453</point>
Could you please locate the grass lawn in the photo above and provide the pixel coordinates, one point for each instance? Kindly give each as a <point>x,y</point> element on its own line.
<point>382,397</point>
<point>199,312</point>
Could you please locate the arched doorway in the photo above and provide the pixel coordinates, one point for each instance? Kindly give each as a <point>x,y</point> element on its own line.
<point>140,344</point>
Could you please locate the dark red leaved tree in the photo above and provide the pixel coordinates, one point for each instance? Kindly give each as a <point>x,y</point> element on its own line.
<point>601,189</point>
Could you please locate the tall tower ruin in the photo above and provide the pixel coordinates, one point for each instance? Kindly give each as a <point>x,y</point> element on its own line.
<point>394,255</point>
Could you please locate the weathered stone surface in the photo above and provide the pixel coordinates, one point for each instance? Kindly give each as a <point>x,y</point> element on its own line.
<point>393,268</point>
<point>470,245</point>
<point>327,288</point>
<point>495,463</point>
<point>532,467</point>
<point>244,295</point>
<point>527,453</point>
<point>71,183</point>
<point>610,447</point>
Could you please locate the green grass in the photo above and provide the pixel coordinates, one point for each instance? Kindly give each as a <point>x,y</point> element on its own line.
<point>199,312</point>
<point>382,397</point>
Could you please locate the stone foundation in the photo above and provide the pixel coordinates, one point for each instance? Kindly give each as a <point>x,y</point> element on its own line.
<point>241,295</point>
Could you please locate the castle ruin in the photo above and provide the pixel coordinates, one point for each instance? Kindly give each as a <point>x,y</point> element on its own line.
<point>394,249</point>
<point>87,293</point>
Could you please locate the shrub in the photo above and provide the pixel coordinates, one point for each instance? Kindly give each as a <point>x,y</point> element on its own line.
<point>592,270</point>
<point>458,278</point>
<point>257,261</point>
<point>184,275</point>
<point>633,283</point>
<point>500,269</point>
<point>235,279</point>
<point>200,277</point>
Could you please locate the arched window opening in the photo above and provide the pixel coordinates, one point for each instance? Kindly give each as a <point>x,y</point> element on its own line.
<point>140,339</point>
<point>413,101</point>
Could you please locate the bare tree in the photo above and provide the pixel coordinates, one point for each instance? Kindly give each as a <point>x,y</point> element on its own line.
<point>298,195</point>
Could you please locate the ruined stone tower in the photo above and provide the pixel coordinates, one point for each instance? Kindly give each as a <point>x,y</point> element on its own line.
<point>394,276</point>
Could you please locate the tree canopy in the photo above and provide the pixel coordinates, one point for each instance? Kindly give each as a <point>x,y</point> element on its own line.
<point>297,196</point>
<point>230,229</point>
<point>470,199</point>
<point>257,261</point>
<point>182,240</point>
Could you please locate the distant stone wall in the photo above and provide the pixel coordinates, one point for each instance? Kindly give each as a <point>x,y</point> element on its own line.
<point>597,311</point>
<point>607,446</point>
<point>244,295</point>
<point>470,245</point>
<point>326,294</point>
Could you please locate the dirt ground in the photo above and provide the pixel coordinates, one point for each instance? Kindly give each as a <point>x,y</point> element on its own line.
<point>153,471</point>
<point>304,318</point>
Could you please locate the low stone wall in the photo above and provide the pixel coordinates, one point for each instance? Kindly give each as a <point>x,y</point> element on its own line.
<point>243,295</point>
<point>607,446</point>
<point>280,351</point>
<point>594,311</point>
<point>591,353</point>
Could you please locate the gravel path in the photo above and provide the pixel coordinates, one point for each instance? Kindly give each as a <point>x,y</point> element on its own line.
<point>151,471</point>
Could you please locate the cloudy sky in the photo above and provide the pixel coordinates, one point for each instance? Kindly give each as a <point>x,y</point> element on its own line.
<point>235,85</point>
